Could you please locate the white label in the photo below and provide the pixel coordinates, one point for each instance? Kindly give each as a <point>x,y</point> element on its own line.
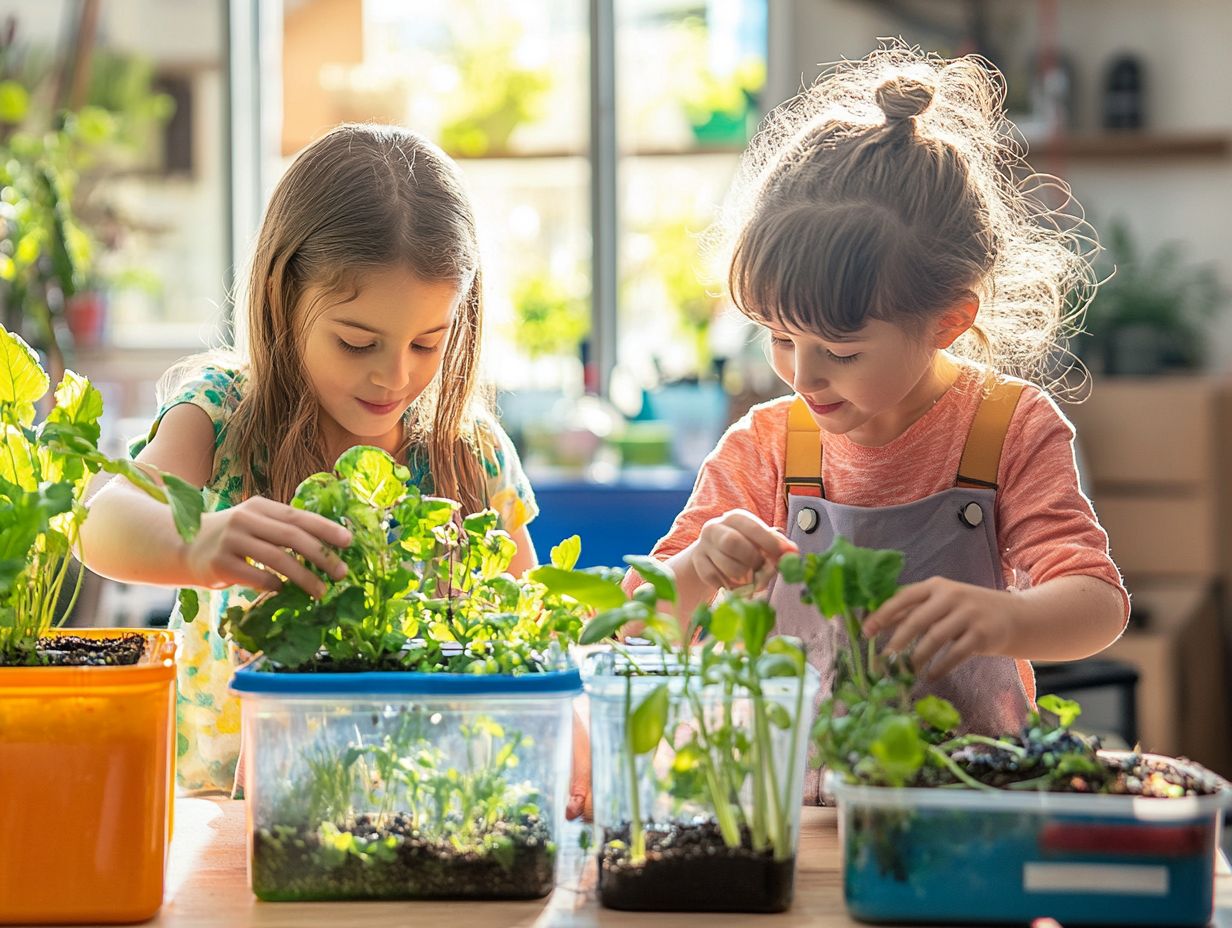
<point>1108,879</point>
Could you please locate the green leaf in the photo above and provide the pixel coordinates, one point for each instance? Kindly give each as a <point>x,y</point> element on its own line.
<point>898,748</point>
<point>608,623</point>
<point>778,716</point>
<point>187,505</point>
<point>14,102</point>
<point>658,575</point>
<point>323,494</point>
<point>725,620</point>
<point>190,604</point>
<point>938,713</point>
<point>373,474</point>
<point>1066,710</point>
<point>688,757</point>
<point>791,568</point>
<point>648,721</point>
<point>778,665</point>
<point>587,588</point>
<point>565,555</point>
<point>22,379</point>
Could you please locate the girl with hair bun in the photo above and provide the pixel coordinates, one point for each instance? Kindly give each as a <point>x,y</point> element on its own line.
<point>915,289</point>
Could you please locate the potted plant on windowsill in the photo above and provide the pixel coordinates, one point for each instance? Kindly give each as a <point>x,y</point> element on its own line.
<point>954,827</point>
<point>87,719</point>
<point>408,734</point>
<point>698,751</point>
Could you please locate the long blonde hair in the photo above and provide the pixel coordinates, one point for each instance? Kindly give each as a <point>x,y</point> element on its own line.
<point>893,188</point>
<point>361,198</point>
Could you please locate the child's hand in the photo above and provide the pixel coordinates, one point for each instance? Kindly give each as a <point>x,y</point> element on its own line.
<point>272,534</point>
<point>738,548</point>
<point>580,800</point>
<point>938,612</point>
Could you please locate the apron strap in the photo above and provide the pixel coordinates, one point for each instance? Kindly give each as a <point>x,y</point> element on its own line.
<point>982,454</point>
<point>803,466</point>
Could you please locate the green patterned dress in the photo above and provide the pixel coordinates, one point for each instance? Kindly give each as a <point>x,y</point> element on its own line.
<point>208,717</point>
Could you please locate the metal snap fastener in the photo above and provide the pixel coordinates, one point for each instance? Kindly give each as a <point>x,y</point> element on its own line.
<point>807,520</point>
<point>972,514</point>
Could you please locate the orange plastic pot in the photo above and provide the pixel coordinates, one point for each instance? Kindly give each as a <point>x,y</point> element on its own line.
<point>86,779</point>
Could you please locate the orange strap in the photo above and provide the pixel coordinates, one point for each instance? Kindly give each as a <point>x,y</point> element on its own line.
<point>803,466</point>
<point>982,454</point>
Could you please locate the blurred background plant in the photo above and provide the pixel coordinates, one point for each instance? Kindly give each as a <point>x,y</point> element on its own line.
<point>550,317</point>
<point>1152,313</point>
<point>497,90</point>
<point>721,106</point>
<point>676,261</point>
<point>69,119</point>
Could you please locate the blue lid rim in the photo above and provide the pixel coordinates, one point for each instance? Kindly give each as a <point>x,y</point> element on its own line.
<point>406,683</point>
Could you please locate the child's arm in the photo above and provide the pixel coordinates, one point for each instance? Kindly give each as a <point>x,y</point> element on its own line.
<point>525,559</point>
<point>1061,619</point>
<point>130,537</point>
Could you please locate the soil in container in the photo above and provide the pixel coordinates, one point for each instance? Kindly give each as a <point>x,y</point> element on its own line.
<point>73,651</point>
<point>689,868</point>
<point>516,860</point>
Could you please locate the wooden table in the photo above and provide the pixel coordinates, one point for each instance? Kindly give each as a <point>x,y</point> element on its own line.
<point>207,885</point>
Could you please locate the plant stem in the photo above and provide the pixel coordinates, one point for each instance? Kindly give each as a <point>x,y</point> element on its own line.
<point>637,838</point>
<point>963,740</point>
<point>762,733</point>
<point>716,780</point>
<point>956,770</point>
<point>853,648</point>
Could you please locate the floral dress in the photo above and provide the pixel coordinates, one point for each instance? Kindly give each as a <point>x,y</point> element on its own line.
<point>207,716</point>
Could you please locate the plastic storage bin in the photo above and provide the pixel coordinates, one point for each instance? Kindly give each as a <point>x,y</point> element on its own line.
<point>405,785</point>
<point>675,808</point>
<point>962,856</point>
<point>86,778</point>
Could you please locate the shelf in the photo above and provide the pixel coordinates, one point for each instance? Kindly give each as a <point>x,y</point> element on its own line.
<point>1130,145</point>
<point>549,155</point>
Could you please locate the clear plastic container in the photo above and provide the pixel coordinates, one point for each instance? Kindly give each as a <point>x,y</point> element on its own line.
<point>689,866</point>
<point>405,785</point>
<point>960,856</point>
<point>86,777</point>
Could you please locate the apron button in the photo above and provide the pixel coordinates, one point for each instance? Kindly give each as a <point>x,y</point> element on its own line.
<point>807,520</point>
<point>971,514</point>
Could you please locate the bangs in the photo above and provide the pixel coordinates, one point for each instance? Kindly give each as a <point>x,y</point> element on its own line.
<point>825,270</point>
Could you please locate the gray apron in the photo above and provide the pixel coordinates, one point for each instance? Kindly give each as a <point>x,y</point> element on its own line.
<point>949,534</point>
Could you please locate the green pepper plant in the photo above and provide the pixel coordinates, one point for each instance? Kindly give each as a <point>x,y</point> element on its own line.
<point>45,471</point>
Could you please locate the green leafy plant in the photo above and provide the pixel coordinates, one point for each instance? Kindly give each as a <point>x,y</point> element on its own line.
<point>676,262</point>
<point>60,137</point>
<point>497,91</point>
<point>872,731</point>
<point>425,589</point>
<point>551,320</point>
<point>1169,300</point>
<point>44,473</point>
<point>727,763</point>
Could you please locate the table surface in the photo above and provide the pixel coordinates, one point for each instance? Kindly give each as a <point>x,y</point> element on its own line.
<point>207,884</point>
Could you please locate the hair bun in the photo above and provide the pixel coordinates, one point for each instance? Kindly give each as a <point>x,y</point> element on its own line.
<point>903,97</point>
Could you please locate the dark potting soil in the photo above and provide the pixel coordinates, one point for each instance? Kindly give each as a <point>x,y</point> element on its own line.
<point>688,868</point>
<point>74,651</point>
<point>290,864</point>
